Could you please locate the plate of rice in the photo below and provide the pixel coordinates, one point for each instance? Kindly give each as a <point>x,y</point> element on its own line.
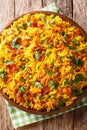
<point>43,62</point>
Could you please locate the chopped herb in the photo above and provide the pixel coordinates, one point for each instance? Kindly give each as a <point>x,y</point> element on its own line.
<point>37,66</point>
<point>19,58</point>
<point>24,25</point>
<point>78,77</point>
<point>37,84</point>
<point>43,19</point>
<point>68,56</point>
<point>75,41</point>
<point>61,103</point>
<point>30,76</point>
<point>8,62</point>
<point>18,29</point>
<point>49,72</point>
<point>86,43</point>
<point>66,81</point>
<point>47,22</point>
<point>21,89</point>
<point>15,45</point>
<point>71,47</point>
<point>37,55</point>
<point>2,73</point>
<point>76,92</point>
<point>52,16</point>
<point>50,45</point>
<point>53,96</point>
<point>48,52</point>
<point>77,61</point>
<point>64,34</point>
<point>22,80</point>
<point>40,97</point>
<point>28,23</point>
<point>22,67</point>
<point>27,104</point>
<point>5,61</point>
<point>27,60</point>
<point>53,84</point>
<point>43,41</point>
<point>42,35</point>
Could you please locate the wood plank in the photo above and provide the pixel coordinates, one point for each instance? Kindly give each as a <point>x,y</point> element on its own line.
<point>80,119</point>
<point>62,122</point>
<point>64,5</point>
<point>26,6</point>
<point>6,12</point>
<point>5,121</point>
<point>80,12</point>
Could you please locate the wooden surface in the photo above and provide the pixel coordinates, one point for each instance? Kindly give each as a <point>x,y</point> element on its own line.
<point>75,9</point>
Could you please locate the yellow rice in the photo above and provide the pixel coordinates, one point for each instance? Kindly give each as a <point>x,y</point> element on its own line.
<point>43,62</point>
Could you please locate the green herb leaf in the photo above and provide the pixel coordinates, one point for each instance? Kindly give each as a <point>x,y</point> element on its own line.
<point>30,76</point>
<point>49,72</point>
<point>50,45</point>
<point>53,84</point>
<point>37,84</point>
<point>76,92</point>
<point>18,29</point>
<point>75,41</point>
<point>64,34</point>
<point>21,89</point>
<point>61,103</point>
<point>53,96</point>
<point>52,16</point>
<point>43,41</point>
<point>37,55</point>
<point>43,19</point>
<point>2,73</point>
<point>22,80</point>
<point>24,25</point>
<point>23,67</point>
<point>78,77</point>
<point>77,61</point>
<point>15,45</point>
<point>29,23</point>
<point>67,81</point>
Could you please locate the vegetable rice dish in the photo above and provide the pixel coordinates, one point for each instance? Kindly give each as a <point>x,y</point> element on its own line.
<point>43,62</point>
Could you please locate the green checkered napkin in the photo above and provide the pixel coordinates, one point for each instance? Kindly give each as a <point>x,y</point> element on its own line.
<point>21,118</point>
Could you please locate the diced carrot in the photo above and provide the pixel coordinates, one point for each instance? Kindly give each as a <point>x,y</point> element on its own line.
<point>67,91</point>
<point>11,68</point>
<point>45,90</point>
